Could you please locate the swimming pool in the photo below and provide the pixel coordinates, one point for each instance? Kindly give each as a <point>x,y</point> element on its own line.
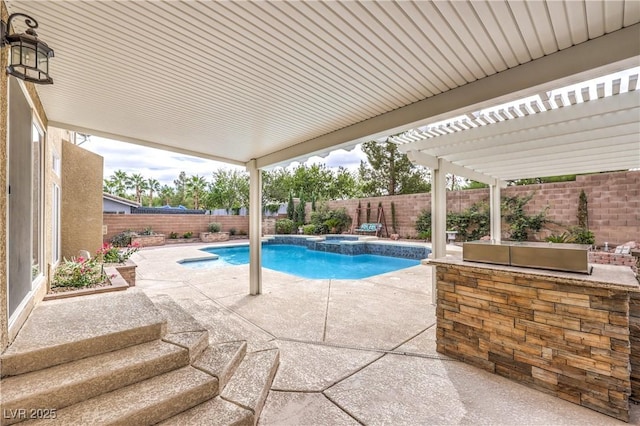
<point>305,263</point>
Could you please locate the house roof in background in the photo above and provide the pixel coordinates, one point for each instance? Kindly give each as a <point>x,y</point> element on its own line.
<point>120,200</point>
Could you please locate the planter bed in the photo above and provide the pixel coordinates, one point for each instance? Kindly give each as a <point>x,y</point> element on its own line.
<point>115,280</point>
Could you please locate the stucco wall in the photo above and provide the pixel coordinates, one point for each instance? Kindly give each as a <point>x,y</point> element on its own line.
<point>81,225</point>
<point>613,204</point>
<point>4,107</point>
<point>4,334</point>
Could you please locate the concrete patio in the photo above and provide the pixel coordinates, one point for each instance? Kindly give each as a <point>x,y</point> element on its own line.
<point>351,351</point>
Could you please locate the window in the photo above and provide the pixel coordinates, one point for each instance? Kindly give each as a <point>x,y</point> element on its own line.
<point>37,139</point>
<point>55,225</point>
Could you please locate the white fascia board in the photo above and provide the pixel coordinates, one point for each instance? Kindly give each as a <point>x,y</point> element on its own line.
<point>142,142</point>
<point>422,159</point>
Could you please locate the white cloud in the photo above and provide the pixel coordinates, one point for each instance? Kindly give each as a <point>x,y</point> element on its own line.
<point>165,166</point>
<point>150,162</point>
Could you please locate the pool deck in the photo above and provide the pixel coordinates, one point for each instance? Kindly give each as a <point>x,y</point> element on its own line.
<point>351,351</point>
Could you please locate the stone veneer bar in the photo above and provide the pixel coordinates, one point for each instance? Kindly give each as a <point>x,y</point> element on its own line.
<point>562,333</point>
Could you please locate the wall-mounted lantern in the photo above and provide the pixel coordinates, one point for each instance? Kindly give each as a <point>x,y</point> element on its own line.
<point>28,57</point>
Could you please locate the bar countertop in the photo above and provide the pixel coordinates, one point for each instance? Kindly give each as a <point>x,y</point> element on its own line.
<point>602,276</point>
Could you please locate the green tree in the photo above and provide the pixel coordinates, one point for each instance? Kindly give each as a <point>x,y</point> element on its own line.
<point>119,180</point>
<point>229,190</point>
<point>276,185</point>
<point>291,209</point>
<point>108,186</point>
<point>138,183</point>
<point>153,185</point>
<point>389,172</point>
<point>181,187</point>
<point>196,188</point>
<point>166,194</point>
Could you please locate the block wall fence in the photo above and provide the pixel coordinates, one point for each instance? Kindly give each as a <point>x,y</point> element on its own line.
<point>613,205</point>
<point>167,223</point>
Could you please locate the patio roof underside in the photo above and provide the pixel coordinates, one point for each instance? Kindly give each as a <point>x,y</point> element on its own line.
<point>279,81</point>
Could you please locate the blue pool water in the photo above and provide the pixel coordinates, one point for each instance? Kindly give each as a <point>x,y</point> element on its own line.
<point>305,263</point>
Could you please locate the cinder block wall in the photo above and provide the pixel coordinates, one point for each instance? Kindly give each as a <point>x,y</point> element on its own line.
<point>613,205</point>
<point>167,223</point>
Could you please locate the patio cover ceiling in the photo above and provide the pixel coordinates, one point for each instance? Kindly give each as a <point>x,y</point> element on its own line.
<point>277,81</point>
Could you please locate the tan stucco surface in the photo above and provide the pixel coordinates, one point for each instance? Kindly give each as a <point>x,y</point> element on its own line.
<point>81,226</point>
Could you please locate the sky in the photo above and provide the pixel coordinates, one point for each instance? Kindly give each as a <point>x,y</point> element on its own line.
<point>165,166</point>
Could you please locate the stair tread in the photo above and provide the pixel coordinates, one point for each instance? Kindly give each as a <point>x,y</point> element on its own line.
<point>62,385</point>
<point>178,319</point>
<point>252,380</point>
<point>60,331</point>
<point>222,360</point>
<point>147,402</point>
<point>215,412</point>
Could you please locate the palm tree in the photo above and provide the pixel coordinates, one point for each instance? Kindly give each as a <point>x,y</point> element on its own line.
<point>119,180</point>
<point>108,186</point>
<point>153,186</point>
<point>166,193</point>
<point>196,187</point>
<point>139,184</point>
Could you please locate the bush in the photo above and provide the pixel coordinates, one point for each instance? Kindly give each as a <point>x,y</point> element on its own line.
<point>232,231</point>
<point>326,220</point>
<point>309,229</point>
<point>519,222</point>
<point>187,234</point>
<point>214,227</point>
<point>123,239</point>
<point>581,235</point>
<point>78,273</point>
<point>173,235</point>
<point>147,231</point>
<point>284,226</point>
<point>423,224</point>
<point>110,254</point>
<point>562,238</point>
<point>472,223</point>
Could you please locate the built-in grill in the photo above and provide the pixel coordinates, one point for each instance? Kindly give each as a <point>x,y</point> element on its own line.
<point>554,256</point>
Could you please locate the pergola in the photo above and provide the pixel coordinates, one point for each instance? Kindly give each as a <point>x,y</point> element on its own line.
<point>265,83</point>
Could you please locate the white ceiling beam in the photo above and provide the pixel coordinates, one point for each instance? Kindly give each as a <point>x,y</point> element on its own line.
<point>422,159</point>
<point>143,142</point>
<point>510,128</point>
<point>612,52</point>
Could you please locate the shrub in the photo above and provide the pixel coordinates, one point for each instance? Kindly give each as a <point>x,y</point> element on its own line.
<point>472,223</point>
<point>123,239</point>
<point>214,227</point>
<point>562,238</point>
<point>232,231</point>
<point>326,220</point>
<point>173,235</point>
<point>284,226</point>
<point>423,224</point>
<point>581,235</point>
<point>187,234</point>
<point>309,229</point>
<point>78,273</point>
<point>242,232</point>
<point>519,222</point>
<point>110,254</point>
<point>147,231</point>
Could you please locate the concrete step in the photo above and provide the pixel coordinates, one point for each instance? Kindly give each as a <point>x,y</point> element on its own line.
<point>215,412</point>
<point>143,403</point>
<point>70,383</point>
<point>221,360</point>
<point>67,330</point>
<point>251,382</point>
<point>182,329</point>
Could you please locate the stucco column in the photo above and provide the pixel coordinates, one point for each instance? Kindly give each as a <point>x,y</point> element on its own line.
<point>255,228</point>
<point>438,221</point>
<point>494,208</point>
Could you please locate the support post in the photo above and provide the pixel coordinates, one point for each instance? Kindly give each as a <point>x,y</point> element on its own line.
<point>255,228</point>
<point>495,212</point>
<point>438,222</point>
